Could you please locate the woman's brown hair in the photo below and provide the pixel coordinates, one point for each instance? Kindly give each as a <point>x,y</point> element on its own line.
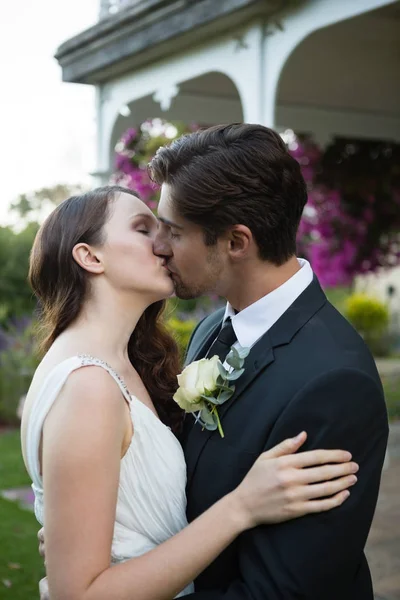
<point>61,287</point>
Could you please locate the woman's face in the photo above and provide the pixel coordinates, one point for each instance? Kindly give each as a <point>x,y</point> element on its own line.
<point>127,252</point>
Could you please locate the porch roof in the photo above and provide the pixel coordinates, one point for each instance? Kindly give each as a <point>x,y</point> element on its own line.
<point>148,30</point>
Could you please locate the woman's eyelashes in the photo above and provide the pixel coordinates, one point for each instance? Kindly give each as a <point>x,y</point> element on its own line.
<point>145,226</point>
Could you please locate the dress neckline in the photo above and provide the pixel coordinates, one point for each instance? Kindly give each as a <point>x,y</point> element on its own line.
<point>156,417</point>
<point>88,359</point>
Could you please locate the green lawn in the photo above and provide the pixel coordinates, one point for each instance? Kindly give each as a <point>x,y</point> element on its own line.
<point>21,567</point>
<point>12,469</point>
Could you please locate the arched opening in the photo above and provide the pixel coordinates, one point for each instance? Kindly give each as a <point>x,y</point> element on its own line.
<point>341,87</point>
<point>206,100</point>
<point>343,80</point>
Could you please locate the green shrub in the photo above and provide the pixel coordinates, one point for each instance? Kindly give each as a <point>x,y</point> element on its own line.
<point>338,296</point>
<point>181,331</point>
<point>370,317</point>
<point>366,313</point>
<point>17,366</point>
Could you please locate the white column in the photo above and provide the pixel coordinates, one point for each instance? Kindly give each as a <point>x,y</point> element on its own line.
<point>234,55</point>
<point>103,118</point>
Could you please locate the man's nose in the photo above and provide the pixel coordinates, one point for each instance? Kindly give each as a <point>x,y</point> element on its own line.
<point>161,247</point>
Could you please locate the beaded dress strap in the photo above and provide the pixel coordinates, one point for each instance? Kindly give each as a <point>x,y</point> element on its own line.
<point>88,360</point>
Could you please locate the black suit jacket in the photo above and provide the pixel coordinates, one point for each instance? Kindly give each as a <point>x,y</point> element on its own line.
<point>310,372</point>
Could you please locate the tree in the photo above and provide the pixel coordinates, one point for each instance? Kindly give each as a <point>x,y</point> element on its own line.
<point>16,297</point>
<point>34,206</point>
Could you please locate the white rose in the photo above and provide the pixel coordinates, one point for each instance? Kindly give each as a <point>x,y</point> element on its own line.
<point>189,406</point>
<point>197,379</point>
<point>208,374</point>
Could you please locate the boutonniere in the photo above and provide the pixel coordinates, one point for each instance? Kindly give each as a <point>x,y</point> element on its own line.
<point>206,384</point>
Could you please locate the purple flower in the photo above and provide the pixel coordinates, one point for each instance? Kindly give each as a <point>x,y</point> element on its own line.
<point>133,151</point>
<point>129,136</point>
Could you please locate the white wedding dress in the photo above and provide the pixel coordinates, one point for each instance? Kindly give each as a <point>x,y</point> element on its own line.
<point>151,505</point>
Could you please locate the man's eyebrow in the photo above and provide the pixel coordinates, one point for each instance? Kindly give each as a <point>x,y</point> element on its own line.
<point>169,223</point>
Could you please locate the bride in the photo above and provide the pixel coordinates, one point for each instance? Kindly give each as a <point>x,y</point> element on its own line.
<point>99,424</point>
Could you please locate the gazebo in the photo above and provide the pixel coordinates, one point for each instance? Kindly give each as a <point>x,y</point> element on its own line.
<point>313,66</point>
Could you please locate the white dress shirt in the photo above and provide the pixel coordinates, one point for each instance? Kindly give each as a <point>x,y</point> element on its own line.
<point>251,323</point>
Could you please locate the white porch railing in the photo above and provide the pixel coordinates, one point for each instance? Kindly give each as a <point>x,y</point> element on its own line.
<point>111,7</point>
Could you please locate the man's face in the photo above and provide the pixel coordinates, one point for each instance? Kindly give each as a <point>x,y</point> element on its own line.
<point>195,268</point>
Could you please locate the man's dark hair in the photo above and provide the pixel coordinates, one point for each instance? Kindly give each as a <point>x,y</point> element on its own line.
<point>236,174</point>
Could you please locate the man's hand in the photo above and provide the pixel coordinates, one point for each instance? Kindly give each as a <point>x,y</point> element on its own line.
<point>40,537</point>
<point>44,589</point>
<point>43,585</point>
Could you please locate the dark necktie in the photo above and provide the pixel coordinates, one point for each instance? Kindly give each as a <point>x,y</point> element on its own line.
<point>223,343</point>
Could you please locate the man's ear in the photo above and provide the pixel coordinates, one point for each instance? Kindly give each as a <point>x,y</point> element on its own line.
<point>86,258</point>
<point>240,239</point>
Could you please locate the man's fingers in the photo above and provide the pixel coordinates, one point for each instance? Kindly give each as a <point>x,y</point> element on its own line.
<point>40,536</point>
<point>42,551</point>
<point>44,589</point>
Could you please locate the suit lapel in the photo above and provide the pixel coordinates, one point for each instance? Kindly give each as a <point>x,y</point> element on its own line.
<point>280,334</point>
<point>198,350</point>
<point>260,357</point>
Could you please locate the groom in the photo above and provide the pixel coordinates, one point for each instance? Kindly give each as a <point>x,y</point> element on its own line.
<point>231,202</point>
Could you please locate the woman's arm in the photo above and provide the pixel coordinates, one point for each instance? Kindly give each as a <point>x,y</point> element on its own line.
<point>82,442</point>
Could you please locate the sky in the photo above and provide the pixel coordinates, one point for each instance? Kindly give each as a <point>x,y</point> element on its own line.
<point>47,127</point>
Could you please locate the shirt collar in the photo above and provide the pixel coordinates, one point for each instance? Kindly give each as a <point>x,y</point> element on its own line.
<point>253,322</point>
